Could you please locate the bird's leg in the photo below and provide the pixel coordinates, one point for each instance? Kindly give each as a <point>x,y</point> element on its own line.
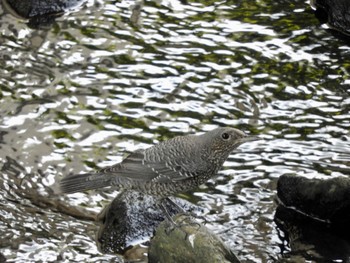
<point>174,224</point>
<point>176,205</point>
<point>166,212</point>
<point>186,213</point>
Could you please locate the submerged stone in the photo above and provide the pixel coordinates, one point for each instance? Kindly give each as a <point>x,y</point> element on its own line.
<point>188,241</point>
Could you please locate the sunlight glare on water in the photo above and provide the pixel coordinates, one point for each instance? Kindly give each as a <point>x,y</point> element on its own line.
<point>103,81</point>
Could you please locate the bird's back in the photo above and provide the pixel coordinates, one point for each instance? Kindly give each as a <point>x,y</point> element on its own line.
<point>169,167</point>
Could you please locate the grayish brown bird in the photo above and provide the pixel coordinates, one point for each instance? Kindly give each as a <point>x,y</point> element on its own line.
<point>168,168</point>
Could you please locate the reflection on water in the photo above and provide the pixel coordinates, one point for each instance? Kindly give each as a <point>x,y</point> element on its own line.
<point>99,84</point>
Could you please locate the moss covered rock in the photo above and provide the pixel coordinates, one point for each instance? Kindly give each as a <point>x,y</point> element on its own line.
<point>188,241</point>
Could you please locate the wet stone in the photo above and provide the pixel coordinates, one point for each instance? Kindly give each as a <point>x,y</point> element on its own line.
<point>188,242</point>
<point>312,239</point>
<point>336,13</point>
<point>324,200</point>
<point>314,216</point>
<point>40,12</point>
<point>131,219</point>
<point>31,8</point>
<point>2,258</point>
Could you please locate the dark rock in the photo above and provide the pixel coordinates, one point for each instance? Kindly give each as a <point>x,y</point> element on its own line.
<point>314,216</point>
<point>324,200</point>
<point>131,219</point>
<point>2,258</point>
<point>336,13</point>
<point>39,12</point>
<point>2,134</point>
<point>312,240</point>
<point>188,242</point>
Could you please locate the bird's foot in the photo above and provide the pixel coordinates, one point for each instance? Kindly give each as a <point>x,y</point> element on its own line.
<point>182,211</point>
<point>192,215</point>
<point>182,221</point>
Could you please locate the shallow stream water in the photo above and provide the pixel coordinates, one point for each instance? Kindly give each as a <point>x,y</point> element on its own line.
<point>105,80</point>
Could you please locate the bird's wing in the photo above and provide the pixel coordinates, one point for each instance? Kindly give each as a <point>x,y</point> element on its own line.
<point>135,167</point>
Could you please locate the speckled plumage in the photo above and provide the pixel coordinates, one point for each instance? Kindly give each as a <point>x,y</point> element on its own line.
<point>170,167</point>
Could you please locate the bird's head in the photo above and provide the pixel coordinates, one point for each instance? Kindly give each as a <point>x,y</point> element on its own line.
<point>220,142</point>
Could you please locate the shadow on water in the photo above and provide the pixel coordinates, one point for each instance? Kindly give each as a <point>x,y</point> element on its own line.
<point>112,77</point>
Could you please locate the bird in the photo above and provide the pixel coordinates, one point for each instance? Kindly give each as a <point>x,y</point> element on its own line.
<point>173,166</point>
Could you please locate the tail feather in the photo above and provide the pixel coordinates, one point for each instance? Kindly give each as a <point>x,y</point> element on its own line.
<point>84,182</point>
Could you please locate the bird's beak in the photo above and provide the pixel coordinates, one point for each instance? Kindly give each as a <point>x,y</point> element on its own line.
<point>249,139</point>
<point>245,139</point>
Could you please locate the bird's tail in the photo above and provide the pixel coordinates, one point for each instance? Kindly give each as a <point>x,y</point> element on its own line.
<point>84,182</point>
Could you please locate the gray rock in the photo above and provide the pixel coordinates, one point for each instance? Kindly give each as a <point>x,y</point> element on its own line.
<point>188,242</point>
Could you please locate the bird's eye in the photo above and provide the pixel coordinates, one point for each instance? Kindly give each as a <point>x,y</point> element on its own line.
<point>225,136</point>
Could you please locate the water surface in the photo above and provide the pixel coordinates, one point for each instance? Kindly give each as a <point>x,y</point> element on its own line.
<point>104,81</point>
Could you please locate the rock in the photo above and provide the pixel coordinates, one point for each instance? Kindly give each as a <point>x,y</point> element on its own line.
<point>188,242</point>
<point>324,200</point>
<point>131,219</point>
<point>314,215</point>
<point>40,12</point>
<point>336,13</point>
<point>2,258</point>
<point>311,240</point>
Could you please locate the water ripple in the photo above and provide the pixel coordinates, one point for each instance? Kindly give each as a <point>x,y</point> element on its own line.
<point>106,80</point>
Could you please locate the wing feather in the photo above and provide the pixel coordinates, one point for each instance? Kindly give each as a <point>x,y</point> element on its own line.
<point>135,167</point>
